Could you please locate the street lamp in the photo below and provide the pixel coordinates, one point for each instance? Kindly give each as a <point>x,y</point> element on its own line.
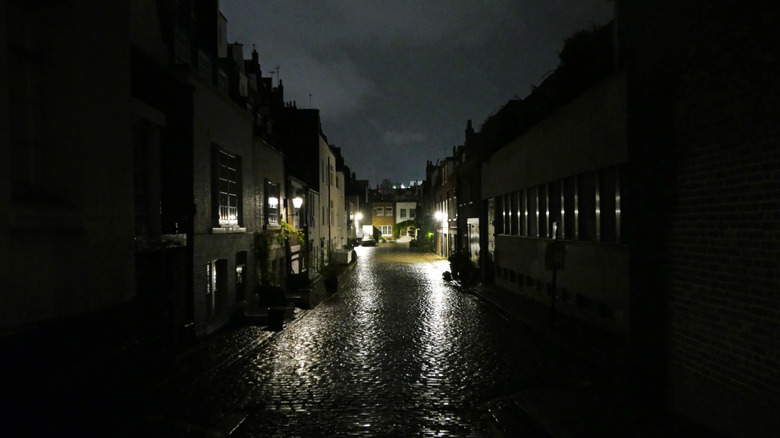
<point>297,202</point>
<point>358,217</point>
<point>439,216</point>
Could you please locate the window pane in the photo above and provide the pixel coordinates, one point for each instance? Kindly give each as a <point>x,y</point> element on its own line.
<point>499,215</point>
<point>554,200</point>
<point>587,206</point>
<point>522,197</point>
<point>543,212</point>
<point>514,211</point>
<point>569,205</point>
<point>607,184</point>
<point>533,214</point>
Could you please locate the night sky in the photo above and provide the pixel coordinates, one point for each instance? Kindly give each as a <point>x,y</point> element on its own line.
<point>395,81</point>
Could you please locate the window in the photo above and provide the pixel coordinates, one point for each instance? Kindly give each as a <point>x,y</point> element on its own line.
<point>533,212</point>
<point>388,211</point>
<point>412,213</point>
<point>543,211</point>
<point>222,81</point>
<point>607,205</point>
<point>570,208</point>
<point>514,205</point>
<point>380,211</point>
<point>506,209</point>
<point>403,213</point>
<point>228,187</point>
<point>181,47</point>
<point>386,230</point>
<point>555,210</point>
<point>204,65</point>
<point>272,203</point>
<point>586,196</point>
<point>498,213</point>
<point>523,212</point>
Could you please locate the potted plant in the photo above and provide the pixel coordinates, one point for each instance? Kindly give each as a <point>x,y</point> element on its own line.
<point>459,264</point>
<point>269,294</point>
<point>330,275</point>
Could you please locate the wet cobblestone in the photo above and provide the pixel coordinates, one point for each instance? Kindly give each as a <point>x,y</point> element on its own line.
<point>397,352</point>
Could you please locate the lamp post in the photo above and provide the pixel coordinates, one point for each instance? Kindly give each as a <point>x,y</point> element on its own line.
<point>439,216</point>
<point>297,202</point>
<point>358,218</point>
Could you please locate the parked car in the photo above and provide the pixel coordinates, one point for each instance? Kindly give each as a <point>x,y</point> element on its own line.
<point>368,241</point>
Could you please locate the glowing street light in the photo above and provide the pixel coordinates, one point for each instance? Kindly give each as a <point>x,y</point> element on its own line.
<point>297,202</point>
<point>358,217</point>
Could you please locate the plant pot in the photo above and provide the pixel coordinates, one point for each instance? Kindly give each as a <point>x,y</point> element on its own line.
<point>276,318</point>
<point>331,284</point>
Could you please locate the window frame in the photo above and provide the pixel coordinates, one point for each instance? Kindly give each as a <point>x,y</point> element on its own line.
<point>227,188</point>
<point>272,213</point>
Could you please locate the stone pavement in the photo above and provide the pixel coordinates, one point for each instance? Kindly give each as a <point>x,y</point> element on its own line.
<point>72,378</point>
<point>600,406</point>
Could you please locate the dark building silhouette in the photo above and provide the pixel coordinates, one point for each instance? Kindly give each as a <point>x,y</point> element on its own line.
<point>144,158</point>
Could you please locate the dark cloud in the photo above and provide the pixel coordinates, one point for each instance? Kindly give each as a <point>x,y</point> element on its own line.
<point>396,81</point>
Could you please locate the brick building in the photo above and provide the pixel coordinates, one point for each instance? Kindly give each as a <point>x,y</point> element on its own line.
<point>656,164</point>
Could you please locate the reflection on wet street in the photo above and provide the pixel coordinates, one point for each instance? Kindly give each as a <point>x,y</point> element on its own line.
<point>397,352</point>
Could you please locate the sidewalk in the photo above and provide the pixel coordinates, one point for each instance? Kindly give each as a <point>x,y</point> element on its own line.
<point>597,407</point>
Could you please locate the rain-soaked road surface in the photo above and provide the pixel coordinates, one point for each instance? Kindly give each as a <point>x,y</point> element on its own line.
<point>397,352</point>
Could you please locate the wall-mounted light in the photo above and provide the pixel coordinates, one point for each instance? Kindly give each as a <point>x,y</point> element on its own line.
<point>438,216</point>
<point>297,202</point>
<point>358,215</point>
<point>273,202</point>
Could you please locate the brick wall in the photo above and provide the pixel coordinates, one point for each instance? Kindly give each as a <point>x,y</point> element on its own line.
<point>721,243</point>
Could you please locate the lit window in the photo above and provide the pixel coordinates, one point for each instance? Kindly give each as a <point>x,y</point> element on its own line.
<point>272,203</point>
<point>228,188</point>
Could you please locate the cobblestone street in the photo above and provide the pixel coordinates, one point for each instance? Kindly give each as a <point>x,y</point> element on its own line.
<point>398,351</point>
